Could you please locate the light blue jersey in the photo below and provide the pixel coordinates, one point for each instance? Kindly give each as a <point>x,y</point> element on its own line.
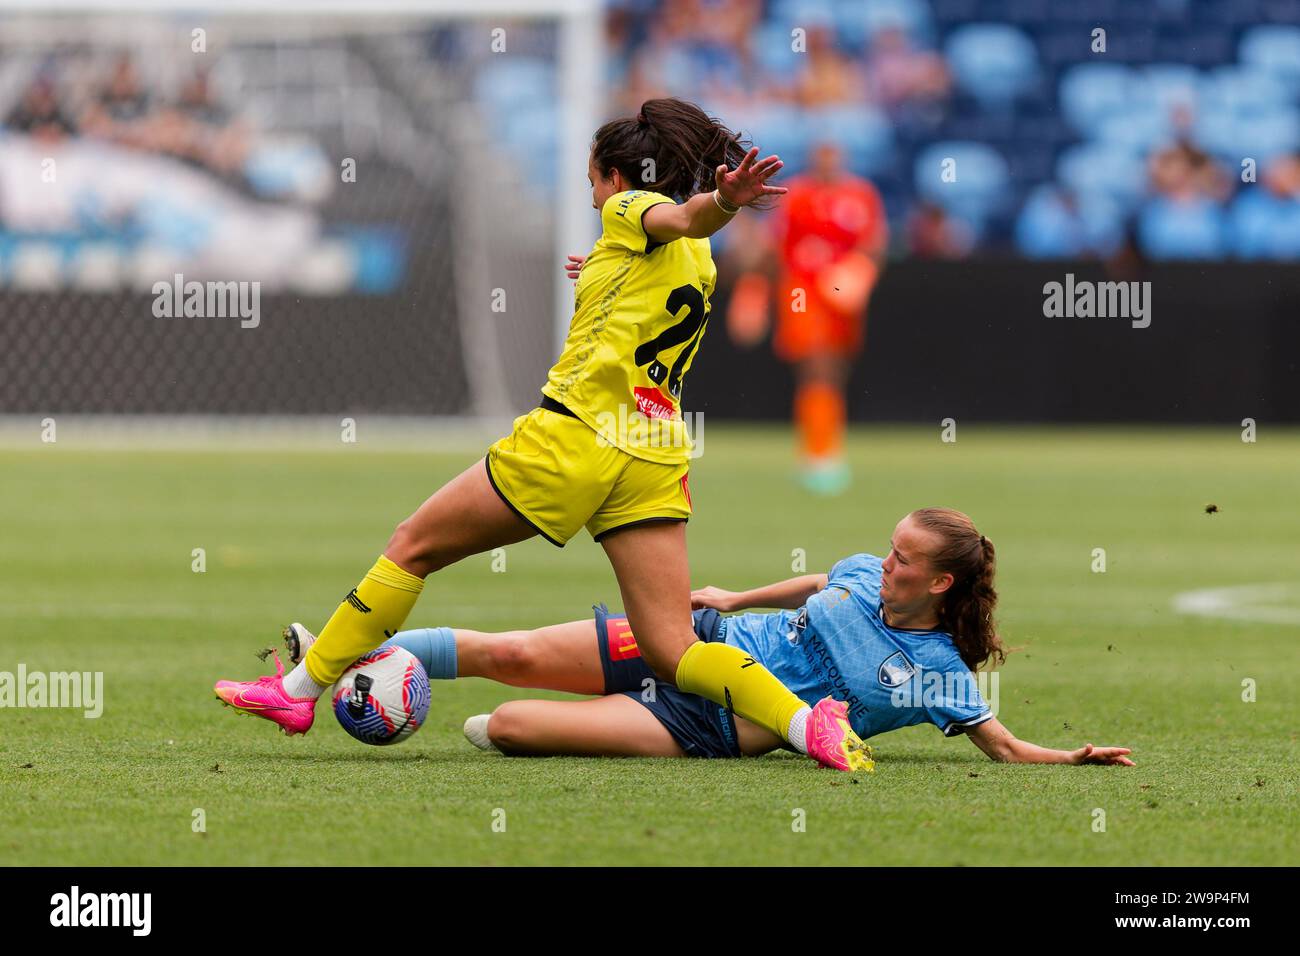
<point>839,645</point>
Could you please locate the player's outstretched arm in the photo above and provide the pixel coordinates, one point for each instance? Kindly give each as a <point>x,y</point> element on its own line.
<point>789,594</point>
<point>703,215</point>
<point>1002,745</point>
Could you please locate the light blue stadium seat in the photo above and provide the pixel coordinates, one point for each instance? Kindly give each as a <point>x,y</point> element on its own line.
<point>994,62</point>
<point>1170,85</point>
<point>1092,92</point>
<point>1103,169</point>
<point>980,185</point>
<point>780,129</point>
<point>532,137</point>
<point>509,80</point>
<point>771,46</point>
<point>1137,126</point>
<point>865,135</point>
<point>1275,49</point>
<point>1264,226</point>
<point>1184,230</point>
<point>1241,90</point>
<point>1048,229</point>
<point>1258,135</point>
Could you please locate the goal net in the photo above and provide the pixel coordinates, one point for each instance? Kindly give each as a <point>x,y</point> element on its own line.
<point>328,209</point>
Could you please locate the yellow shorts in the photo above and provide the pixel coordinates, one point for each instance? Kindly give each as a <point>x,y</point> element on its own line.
<point>555,474</point>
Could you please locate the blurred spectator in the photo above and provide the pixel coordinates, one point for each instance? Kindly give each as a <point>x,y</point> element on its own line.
<point>200,129</point>
<point>123,111</point>
<point>933,234</point>
<point>38,113</point>
<point>1265,219</point>
<point>828,77</point>
<point>1056,224</point>
<point>1184,219</point>
<point>903,79</point>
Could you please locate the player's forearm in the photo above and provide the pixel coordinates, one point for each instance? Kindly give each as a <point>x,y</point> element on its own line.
<point>705,216</point>
<point>784,594</point>
<point>1022,751</point>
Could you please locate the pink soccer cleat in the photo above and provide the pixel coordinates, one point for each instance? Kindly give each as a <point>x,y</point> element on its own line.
<point>831,741</point>
<point>265,697</point>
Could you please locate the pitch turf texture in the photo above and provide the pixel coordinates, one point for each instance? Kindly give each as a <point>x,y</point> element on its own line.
<point>95,575</point>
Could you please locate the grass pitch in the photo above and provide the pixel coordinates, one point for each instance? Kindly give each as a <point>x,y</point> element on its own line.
<point>96,554</point>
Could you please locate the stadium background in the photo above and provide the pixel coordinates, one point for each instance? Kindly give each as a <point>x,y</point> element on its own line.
<point>222,444</point>
<point>226,164</point>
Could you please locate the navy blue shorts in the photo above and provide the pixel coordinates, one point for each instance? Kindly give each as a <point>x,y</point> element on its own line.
<point>700,727</point>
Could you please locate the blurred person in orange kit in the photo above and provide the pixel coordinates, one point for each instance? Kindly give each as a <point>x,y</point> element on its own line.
<point>829,238</point>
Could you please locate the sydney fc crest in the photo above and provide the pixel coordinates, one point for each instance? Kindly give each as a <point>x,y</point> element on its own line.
<point>896,670</point>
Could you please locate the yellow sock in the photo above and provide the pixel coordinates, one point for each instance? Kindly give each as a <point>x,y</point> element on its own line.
<point>374,611</point>
<point>717,671</point>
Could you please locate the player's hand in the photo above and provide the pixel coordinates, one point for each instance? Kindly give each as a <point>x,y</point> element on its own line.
<point>574,266</point>
<point>715,598</point>
<point>748,181</point>
<point>1114,756</point>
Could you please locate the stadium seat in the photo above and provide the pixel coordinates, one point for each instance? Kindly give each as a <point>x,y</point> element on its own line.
<point>1048,229</point>
<point>992,61</point>
<point>1091,92</point>
<point>1170,85</point>
<point>1184,230</point>
<point>509,81</point>
<point>1263,226</point>
<point>1257,135</point>
<point>1241,90</point>
<point>865,135</point>
<point>979,187</point>
<point>1273,48</point>
<point>1103,169</point>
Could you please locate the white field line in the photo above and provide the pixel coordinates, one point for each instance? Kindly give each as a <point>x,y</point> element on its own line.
<point>1265,603</point>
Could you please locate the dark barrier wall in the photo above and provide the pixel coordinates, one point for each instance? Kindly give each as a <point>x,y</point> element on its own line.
<point>969,341</point>
<point>961,340</point>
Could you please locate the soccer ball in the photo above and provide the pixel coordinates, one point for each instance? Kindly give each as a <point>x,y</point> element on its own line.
<point>383,697</point>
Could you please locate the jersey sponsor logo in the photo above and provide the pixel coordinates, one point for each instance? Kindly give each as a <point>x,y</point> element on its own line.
<point>622,645</point>
<point>896,670</point>
<point>653,403</point>
<point>797,626</point>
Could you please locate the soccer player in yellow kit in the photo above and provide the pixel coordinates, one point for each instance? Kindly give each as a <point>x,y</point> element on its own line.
<point>606,448</point>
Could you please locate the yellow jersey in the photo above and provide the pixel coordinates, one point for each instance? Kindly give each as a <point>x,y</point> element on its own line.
<point>640,309</point>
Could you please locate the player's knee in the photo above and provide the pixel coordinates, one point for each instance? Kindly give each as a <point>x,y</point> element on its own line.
<point>663,661</point>
<point>413,549</point>
<point>507,728</point>
<point>514,657</point>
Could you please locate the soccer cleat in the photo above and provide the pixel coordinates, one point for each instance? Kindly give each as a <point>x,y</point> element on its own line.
<point>265,697</point>
<point>297,641</point>
<point>831,741</point>
<point>476,732</point>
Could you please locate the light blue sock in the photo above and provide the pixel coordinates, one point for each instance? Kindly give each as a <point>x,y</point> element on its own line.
<point>434,646</point>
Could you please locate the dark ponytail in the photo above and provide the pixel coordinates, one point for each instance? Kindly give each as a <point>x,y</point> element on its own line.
<point>685,144</point>
<point>966,610</point>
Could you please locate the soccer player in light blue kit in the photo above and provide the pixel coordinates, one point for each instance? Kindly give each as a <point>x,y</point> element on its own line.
<point>897,639</point>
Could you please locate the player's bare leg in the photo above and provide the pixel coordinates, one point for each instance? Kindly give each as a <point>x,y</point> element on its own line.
<point>650,563</point>
<point>561,657</point>
<point>613,726</point>
<point>464,517</point>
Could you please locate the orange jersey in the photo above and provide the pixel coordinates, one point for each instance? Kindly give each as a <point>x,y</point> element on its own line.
<point>818,227</point>
<point>819,223</point>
